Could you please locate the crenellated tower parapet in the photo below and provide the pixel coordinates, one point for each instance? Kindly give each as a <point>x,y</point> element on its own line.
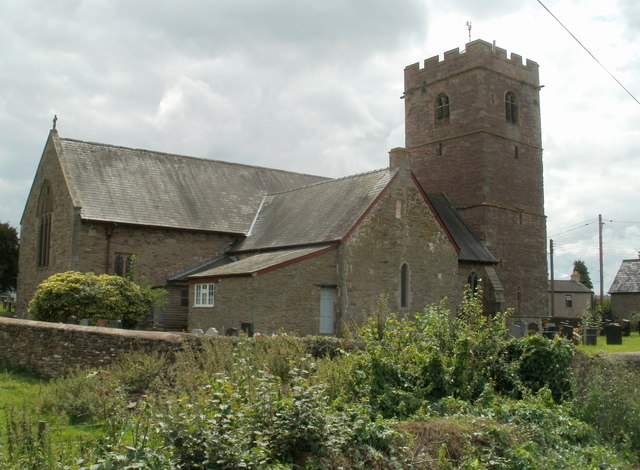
<point>478,53</point>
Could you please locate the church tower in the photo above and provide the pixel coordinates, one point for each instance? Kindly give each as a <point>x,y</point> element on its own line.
<point>472,124</point>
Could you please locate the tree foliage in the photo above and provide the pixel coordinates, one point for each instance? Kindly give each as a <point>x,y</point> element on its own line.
<point>86,295</point>
<point>583,271</point>
<point>8,256</point>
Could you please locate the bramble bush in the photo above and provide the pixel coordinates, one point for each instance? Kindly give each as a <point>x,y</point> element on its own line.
<point>87,295</point>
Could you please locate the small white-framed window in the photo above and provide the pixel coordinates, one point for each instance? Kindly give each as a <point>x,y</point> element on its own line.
<point>204,295</point>
<point>568,301</point>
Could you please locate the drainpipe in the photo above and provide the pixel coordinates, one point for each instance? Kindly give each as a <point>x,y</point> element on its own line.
<point>108,231</point>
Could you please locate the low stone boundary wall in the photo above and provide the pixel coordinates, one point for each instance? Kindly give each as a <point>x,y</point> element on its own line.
<point>54,349</point>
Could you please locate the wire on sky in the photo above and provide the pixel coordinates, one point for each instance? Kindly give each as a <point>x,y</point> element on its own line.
<point>589,52</point>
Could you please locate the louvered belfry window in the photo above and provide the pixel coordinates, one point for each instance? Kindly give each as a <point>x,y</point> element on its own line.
<point>442,107</point>
<point>511,107</point>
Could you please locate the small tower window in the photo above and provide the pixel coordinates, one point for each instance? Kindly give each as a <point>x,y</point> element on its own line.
<point>404,285</point>
<point>511,107</point>
<point>439,149</point>
<point>442,108</point>
<point>45,210</point>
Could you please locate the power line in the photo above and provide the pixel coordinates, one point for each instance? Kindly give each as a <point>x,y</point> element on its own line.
<point>575,228</point>
<point>589,52</point>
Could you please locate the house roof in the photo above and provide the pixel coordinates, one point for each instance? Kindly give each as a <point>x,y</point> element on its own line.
<point>569,286</point>
<point>320,213</point>
<point>143,187</point>
<point>465,237</point>
<point>627,279</point>
<point>262,262</point>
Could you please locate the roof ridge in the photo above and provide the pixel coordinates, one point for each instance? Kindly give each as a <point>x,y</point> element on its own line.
<point>329,181</point>
<point>168,154</point>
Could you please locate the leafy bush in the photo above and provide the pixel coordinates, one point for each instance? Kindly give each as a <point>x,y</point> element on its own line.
<point>85,295</point>
<point>606,397</point>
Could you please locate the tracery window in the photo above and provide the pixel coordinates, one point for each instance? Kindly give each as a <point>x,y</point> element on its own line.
<point>44,214</point>
<point>511,107</point>
<point>442,108</point>
<point>123,264</point>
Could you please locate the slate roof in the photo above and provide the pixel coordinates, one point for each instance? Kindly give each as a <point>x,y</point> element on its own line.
<point>319,213</point>
<point>627,279</point>
<point>465,237</point>
<point>569,286</point>
<point>260,262</point>
<point>143,187</point>
<point>216,261</point>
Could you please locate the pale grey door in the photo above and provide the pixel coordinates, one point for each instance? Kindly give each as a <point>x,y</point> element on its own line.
<point>327,310</point>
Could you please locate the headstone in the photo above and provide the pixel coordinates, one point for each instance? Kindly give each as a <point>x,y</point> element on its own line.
<point>197,331</point>
<point>212,332</point>
<point>614,333</point>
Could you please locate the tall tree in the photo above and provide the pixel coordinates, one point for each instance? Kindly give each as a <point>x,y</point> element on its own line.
<point>8,256</point>
<point>583,271</point>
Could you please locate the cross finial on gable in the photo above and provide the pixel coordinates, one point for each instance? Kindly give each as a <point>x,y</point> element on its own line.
<point>55,119</point>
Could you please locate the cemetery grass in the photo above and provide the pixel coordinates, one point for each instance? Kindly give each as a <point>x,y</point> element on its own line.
<point>629,344</point>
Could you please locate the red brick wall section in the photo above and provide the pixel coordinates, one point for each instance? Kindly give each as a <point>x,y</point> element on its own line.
<point>55,350</point>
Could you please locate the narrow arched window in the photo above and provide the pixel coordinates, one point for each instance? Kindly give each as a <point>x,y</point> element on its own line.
<point>43,215</point>
<point>442,108</point>
<point>472,282</point>
<point>511,107</point>
<point>404,285</point>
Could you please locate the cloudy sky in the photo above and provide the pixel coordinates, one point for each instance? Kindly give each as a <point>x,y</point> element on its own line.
<point>314,86</point>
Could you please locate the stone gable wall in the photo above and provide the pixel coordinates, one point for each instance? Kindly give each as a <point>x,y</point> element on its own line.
<point>399,229</point>
<point>55,350</point>
<point>30,275</point>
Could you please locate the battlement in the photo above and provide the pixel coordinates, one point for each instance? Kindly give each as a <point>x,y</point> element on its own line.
<point>477,54</point>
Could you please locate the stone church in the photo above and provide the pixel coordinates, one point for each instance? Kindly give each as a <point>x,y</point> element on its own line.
<point>263,250</point>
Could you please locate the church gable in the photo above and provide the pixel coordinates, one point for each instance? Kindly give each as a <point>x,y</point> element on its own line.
<point>398,249</point>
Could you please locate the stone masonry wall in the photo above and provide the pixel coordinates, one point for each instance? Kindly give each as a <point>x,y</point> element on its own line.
<point>400,229</point>
<point>160,252</point>
<point>54,350</point>
<point>285,299</point>
<point>624,306</point>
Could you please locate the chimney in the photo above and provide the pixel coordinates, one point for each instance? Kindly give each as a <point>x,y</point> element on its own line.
<point>575,276</point>
<point>399,159</point>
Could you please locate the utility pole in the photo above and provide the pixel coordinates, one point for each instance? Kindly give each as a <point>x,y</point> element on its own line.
<point>553,297</point>
<point>600,250</point>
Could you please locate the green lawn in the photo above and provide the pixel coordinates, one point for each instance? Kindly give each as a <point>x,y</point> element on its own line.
<point>629,344</point>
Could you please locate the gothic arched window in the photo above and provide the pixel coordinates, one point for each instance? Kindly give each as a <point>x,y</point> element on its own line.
<point>404,285</point>
<point>511,107</point>
<point>43,215</point>
<point>472,282</point>
<point>442,108</point>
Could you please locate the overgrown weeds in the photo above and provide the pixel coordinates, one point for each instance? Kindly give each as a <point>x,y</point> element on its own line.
<point>425,391</point>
